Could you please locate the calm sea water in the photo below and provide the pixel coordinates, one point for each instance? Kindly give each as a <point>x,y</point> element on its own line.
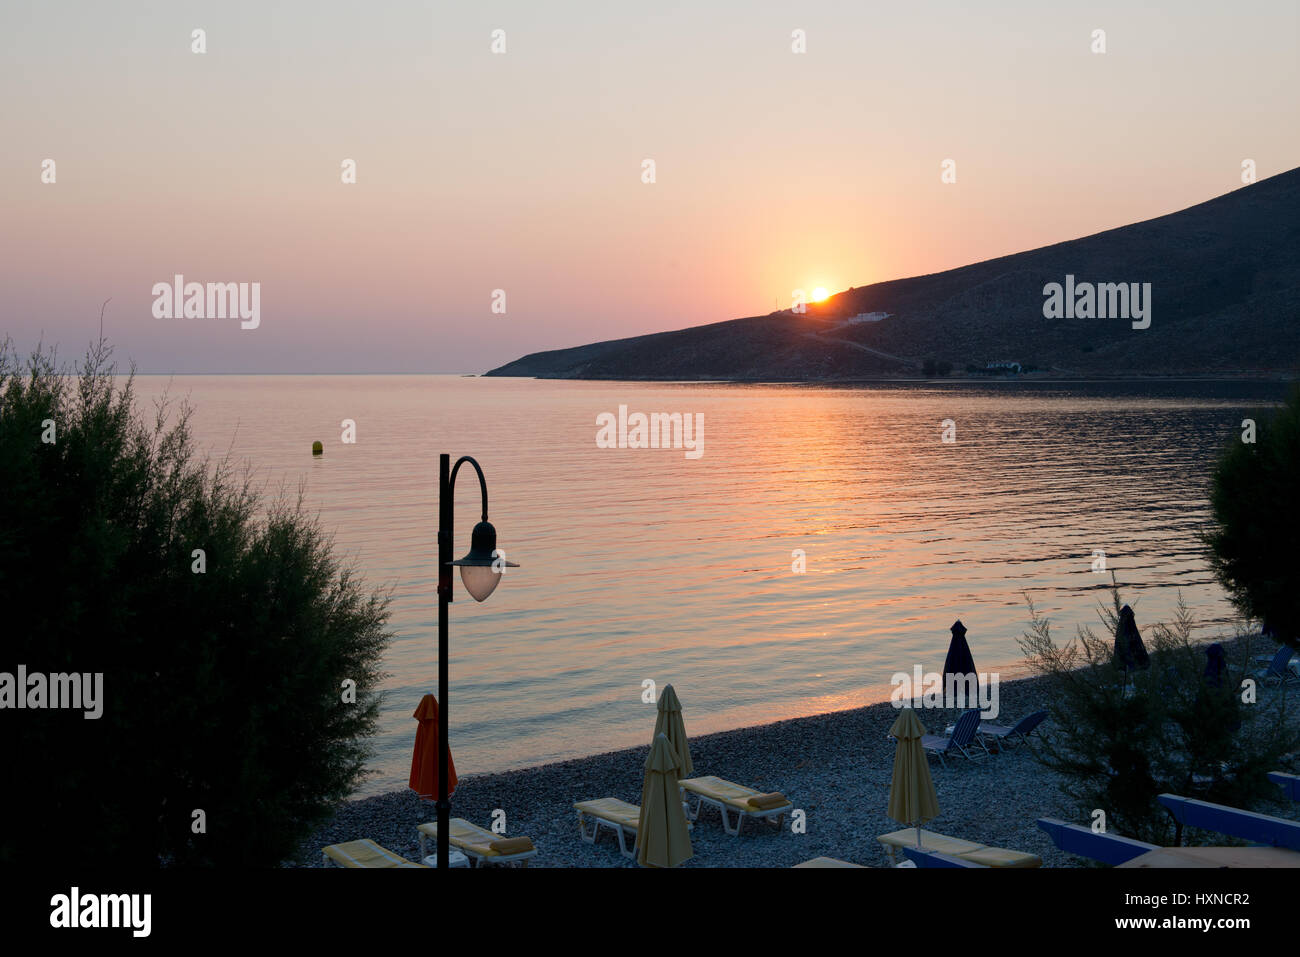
<point>644,564</point>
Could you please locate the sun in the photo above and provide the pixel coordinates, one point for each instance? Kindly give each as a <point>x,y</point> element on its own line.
<point>819,294</point>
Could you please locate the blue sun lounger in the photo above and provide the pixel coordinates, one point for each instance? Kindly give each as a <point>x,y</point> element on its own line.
<point>1011,734</point>
<point>1084,842</point>
<point>1279,666</point>
<point>1277,656</point>
<point>923,858</point>
<point>963,740</point>
<point>1290,783</point>
<point>1247,825</point>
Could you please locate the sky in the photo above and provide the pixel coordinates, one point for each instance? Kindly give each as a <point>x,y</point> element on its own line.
<point>523,171</point>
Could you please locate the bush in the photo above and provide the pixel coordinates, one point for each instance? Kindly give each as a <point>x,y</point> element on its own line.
<point>1120,738</point>
<point>221,690</point>
<point>1257,521</point>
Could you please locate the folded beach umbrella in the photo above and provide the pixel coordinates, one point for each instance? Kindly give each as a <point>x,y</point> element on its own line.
<point>662,838</point>
<point>959,661</point>
<point>1216,665</point>
<point>1130,653</point>
<point>424,761</point>
<point>912,800</point>
<point>669,723</point>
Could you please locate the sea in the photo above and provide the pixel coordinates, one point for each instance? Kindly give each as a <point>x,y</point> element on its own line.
<point>823,539</point>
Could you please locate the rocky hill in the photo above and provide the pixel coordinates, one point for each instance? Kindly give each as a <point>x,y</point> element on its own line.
<point>1224,300</point>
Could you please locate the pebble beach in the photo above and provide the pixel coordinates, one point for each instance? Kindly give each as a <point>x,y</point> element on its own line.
<point>836,767</point>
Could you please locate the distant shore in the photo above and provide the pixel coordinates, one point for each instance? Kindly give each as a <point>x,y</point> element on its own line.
<point>1053,378</point>
<point>837,767</point>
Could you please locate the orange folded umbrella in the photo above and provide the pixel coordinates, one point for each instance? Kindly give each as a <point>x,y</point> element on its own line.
<point>424,762</point>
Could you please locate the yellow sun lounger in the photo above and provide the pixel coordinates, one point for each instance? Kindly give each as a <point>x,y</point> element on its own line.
<point>365,853</point>
<point>619,816</point>
<point>725,795</point>
<point>956,847</point>
<point>475,843</point>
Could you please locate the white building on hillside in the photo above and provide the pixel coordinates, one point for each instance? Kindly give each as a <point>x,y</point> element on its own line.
<point>868,317</point>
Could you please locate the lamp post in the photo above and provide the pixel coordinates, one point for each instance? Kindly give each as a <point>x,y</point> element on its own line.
<point>480,572</point>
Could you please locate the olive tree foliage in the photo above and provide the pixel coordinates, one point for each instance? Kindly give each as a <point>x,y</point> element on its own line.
<point>224,627</point>
<point>1119,736</point>
<point>1256,506</point>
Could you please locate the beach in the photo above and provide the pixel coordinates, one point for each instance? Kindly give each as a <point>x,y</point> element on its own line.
<point>837,767</point>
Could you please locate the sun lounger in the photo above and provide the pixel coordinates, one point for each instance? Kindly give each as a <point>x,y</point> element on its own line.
<point>1082,841</point>
<point>1260,828</point>
<point>1013,734</point>
<point>925,858</point>
<point>742,801</point>
<point>963,740</point>
<point>956,847</point>
<point>1279,667</point>
<point>827,862</point>
<point>365,853</point>
<point>1290,783</point>
<point>619,816</point>
<point>481,846</point>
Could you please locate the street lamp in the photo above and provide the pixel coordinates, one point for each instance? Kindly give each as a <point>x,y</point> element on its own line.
<point>480,572</point>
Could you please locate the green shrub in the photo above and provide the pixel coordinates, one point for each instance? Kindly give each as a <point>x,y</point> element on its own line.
<point>221,689</point>
<point>1257,521</point>
<point>1120,738</point>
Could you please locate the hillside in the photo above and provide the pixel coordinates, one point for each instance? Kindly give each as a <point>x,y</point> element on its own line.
<point>1225,299</point>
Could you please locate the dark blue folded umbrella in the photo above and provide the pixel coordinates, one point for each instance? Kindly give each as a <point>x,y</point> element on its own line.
<point>959,661</point>
<point>1130,653</point>
<point>1216,664</point>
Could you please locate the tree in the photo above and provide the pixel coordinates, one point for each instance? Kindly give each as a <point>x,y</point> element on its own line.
<point>224,630</point>
<point>1252,547</point>
<point>1119,739</point>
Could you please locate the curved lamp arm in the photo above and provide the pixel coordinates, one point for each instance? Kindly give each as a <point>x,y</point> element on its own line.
<point>482,483</point>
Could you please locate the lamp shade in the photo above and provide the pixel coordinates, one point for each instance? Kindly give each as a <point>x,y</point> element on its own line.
<point>482,566</point>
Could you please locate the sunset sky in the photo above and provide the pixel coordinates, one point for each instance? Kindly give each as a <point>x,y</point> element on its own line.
<point>522,171</point>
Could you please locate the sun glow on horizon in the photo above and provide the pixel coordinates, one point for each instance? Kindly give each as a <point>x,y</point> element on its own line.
<point>819,294</point>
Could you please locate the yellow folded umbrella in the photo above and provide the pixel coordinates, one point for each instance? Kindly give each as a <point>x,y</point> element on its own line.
<point>669,722</point>
<point>911,794</point>
<point>662,837</point>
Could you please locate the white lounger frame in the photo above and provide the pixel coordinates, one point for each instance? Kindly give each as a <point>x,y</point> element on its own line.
<point>693,813</point>
<point>476,858</point>
<point>615,826</point>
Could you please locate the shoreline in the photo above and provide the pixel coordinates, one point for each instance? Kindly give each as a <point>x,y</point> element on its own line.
<point>1245,376</point>
<point>836,767</point>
